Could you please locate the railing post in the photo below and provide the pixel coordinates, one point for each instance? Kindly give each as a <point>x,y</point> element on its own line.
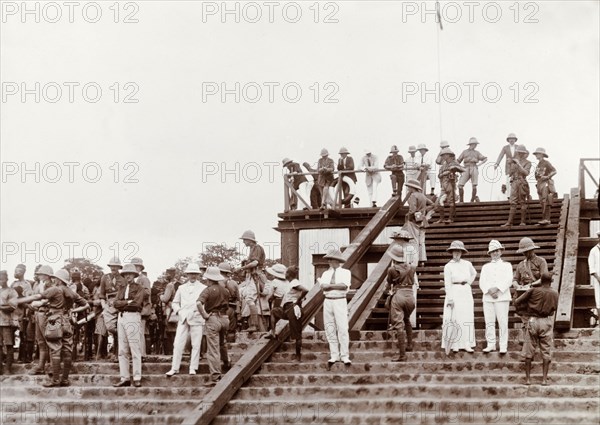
<point>286,194</point>
<point>581,179</point>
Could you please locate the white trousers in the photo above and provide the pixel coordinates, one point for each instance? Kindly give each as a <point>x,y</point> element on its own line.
<point>130,334</point>
<point>304,190</point>
<point>372,191</point>
<point>335,318</point>
<point>492,312</point>
<point>185,331</point>
<point>596,286</point>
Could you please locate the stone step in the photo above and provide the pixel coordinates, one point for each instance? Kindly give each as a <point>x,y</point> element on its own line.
<point>417,391</point>
<point>461,356</point>
<point>90,368</point>
<point>335,410</point>
<point>87,417</point>
<point>40,393</point>
<point>106,380</point>
<point>421,366</point>
<point>483,378</point>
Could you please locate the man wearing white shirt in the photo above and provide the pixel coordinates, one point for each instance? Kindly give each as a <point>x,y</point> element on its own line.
<point>427,171</point>
<point>191,322</point>
<point>507,151</point>
<point>412,168</point>
<point>335,282</point>
<point>495,281</point>
<point>594,266</point>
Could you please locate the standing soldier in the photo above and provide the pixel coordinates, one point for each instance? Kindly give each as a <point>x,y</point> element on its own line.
<point>527,274</point>
<point>60,300</point>
<point>79,288</point>
<point>21,314</point>
<point>147,306</point>
<point>545,185</point>
<point>129,303</point>
<point>44,274</point>
<point>519,192</point>
<point>299,183</point>
<point>416,220</point>
<point>325,168</point>
<point>370,164</point>
<point>472,159</point>
<point>447,177</point>
<point>443,144</point>
<point>169,322</point>
<point>411,257</point>
<point>335,283</point>
<point>541,303</point>
<point>509,152</point>
<point>8,297</point>
<point>400,281</point>
<point>395,163</point>
<point>212,305</point>
<point>234,298</point>
<point>109,285</point>
<point>426,171</point>
<point>412,167</point>
<point>254,269</point>
<point>346,163</point>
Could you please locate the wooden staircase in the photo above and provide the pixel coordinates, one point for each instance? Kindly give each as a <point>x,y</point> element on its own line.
<point>476,224</point>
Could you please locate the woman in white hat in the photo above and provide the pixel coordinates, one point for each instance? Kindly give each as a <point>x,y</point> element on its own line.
<point>190,322</point>
<point>370,164</point>
<point>495,282</point>
<point>459,275</point>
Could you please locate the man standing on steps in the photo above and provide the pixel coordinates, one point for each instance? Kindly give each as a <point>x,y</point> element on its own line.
<point>346,163</point>
<point>519,187</point>
<point>448,170</point>
<point>472,159</point>
<point>527,274</point>
<point>147,306</point>
<point>7,334</point>
<point>395,163</point>
<point>412,168</point>
<point>426,170</point>
<point>109,284</point>
<point>495,281</point>
<point>545,185</point>
<point>335,283</point>
<point>400,287</point>
<point>299,183</point>
<point>254,269</point>
<point>325,168</point>
<point>129,303</point>
<point>594,270</point>
<point>370,164</point>
<point>22,314</point>
<point>44,274</point>
<point>541,303</point>
<point>212,305</point>
<point>507,151</point>
<point>416,220</point>
<point>443,144</point>
<point>411,257</point>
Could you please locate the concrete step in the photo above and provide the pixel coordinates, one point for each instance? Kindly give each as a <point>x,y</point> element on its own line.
<point>93,368</point>
<point>416,391</point>
<point>336,410</point>
<point>482,378</point>
<point>98,392</point>
<point>106,380</point>
<point>87,417</point>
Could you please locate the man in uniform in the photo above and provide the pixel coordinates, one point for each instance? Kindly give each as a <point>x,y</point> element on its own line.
<point>325,168</point>
<point>44,274</point>
<point>519,189</point>
<point>129,302</point>
<point>299,182</point>
<point>447,178</point>
<point>21,313</point>
<point>212,305</point>
<point>443,144</point>
<point>346,163</point>
<point>7,332</point>
<point>416,220</point>
<point>426,170</point>
<point>335,283</point>
<point>472,159</point>
<point>400,283</point>
<point>60,299</point>
<point>507,151</point>
<point>544,173</point>
<point>234,299</point>
<point>254,270</point>
<point>395,163</point>
<point>147,306</point>
<point>527,274</point>
<point>411,257</point>
<point>109,285</point>
<point>541,303</point>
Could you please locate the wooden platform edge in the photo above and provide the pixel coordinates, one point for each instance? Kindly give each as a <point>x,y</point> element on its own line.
<point>564,313</point>
<point>560,244</point>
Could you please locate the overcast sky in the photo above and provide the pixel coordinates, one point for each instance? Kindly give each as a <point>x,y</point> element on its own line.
<point>162,159</point>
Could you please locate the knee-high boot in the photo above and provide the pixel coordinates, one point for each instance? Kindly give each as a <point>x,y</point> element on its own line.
<point>55,380</point>
<point>474,197</point>
<point>461,194</point>
<point>43,358</point>
<point>67,365</point>
<point>442,212</point>
<point>523,215</point>
<point>10,356</point>
<point>452,213</point>
<point>511,216</point>
<point>298,350</point>
<point>401,342</point>
<point>409,338</point>
<point>29,351</point>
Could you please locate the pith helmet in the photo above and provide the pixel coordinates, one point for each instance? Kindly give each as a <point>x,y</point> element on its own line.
<point>248,235</point>
<point>225,267</point>
<point>414,183</point>
<point>444,144</point>
<point>541,151</point>
<point>522,149</point>
<point>277,270</point>
<point>324,152</point>
<point>457,246</point>
<point>494,245</point>
<point>137,261</point>
<point>422,146</point>
<point>63,275</point>
<point>213,273</point>
<point>335,254</point>
<point>473,141</point>
<point>526,244</point>
<point>285,161</point>
<point>394,149</point>
<point>343,150</point>
<point>412,149</point>
<point>47,270</point>
<point>512,136</point>
<point>447,151</point>
<point>129,268</point>
<point>397,253</point>
<point>192,268</point>
<point>115,261</point>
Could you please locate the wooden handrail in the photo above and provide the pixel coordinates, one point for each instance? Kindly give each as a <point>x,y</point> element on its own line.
<point>583,170</point>
<point>564,313</point>
<point>559,252</point>
<point>260,351</point>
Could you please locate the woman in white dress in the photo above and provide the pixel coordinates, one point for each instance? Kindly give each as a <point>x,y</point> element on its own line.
<point>459,275</point>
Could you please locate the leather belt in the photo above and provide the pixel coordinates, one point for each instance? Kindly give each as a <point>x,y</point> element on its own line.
<point>335,298</point>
